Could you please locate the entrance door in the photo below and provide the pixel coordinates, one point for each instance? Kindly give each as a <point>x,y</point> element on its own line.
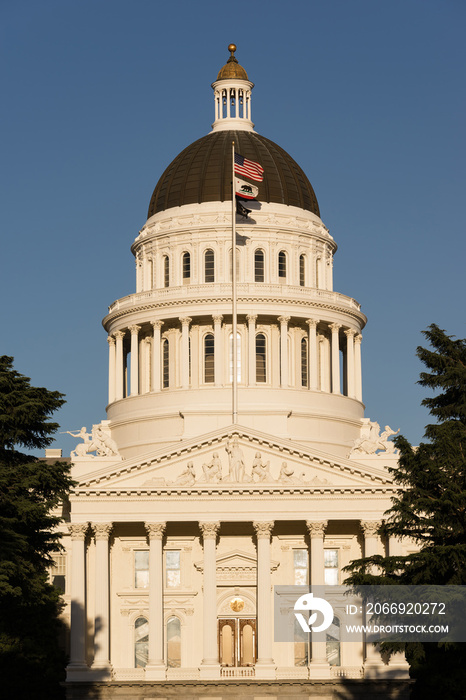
<point>237,641</point>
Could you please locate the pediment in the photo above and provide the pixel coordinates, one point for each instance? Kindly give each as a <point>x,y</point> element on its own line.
<point>235,566</point>
<point>235,459</point>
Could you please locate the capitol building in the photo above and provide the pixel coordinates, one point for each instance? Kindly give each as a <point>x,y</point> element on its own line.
<point>235,455</point>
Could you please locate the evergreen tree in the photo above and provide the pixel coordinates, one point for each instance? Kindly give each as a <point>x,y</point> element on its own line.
<point>430,509</point>
<point>31,492</point>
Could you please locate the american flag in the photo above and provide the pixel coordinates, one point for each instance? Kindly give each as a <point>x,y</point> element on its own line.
<point>248,168</point>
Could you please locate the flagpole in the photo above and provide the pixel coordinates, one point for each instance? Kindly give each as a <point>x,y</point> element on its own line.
<point>234,383</point>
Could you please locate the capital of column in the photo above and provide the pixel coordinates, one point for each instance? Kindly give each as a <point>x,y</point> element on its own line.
<point>134,329</point>
<point>102,530</point>
<point>312,322</point>
<point>358,339</point>
<point>209,530</point>
<point>284,319</point>
<point>316,529</point>
<point>156,325</point>
<point>263,529</point>
<point>370,527</point>
<point>147,340</point>
<point>111,340</point>
<point>335,327</point>
<point>218,318</point>
<point>78,531</point>
<point>119,335</point>
<point>321,338</point>
<point>251,318</point>
<point>155,530</point>
<point>185,320</point>
<point>349,332</point>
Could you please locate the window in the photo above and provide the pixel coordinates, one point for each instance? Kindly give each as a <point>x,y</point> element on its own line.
<point>141,642</point>
<point>282,265</point>
<point>166,271</point>
<point>300,566</point>
<point>304,362</point>
<point>238,357</point>
<point>209,266</point>
<point>172,569</point>
<point>301,645</point>
<point>165,363</point>
<point>333,643</point>
<point>261,359</point>
<point>259,275</point>
<point>173,642</point>
<point>331,567</point>
<point>186,268</point>
<point>141,569</point>
<point>58,572</point>
<point>317,272</point>
<point>209,359</point>
<point>302,270</point>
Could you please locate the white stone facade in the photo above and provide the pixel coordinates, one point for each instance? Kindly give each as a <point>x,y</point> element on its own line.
<point>182,522</point>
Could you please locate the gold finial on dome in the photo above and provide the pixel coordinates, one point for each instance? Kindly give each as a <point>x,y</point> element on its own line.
<point>232,69</point>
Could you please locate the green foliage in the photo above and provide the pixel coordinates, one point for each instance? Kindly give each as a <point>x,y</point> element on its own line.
<point>31,493</point>
<point>430,509</point>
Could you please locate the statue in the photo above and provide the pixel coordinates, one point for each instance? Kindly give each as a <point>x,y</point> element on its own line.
<point>187,477</point>
<point>97,441</point>
<point>85,447</point>
<point>235,454</point>
<point>213,469</point>
<point>260,470</point>
<point>371,440</point>
<point>287,476</point>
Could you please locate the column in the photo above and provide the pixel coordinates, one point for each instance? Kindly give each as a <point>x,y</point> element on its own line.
<point>119,335</point>
<point>134,360</point>
<point>312,353</point>
<point>111,368</point>
<point>319,666</point>
<point>218,349</point>
<point>102,612</point>
<point>284,350</point>
<point>350,333</point>
<point>334,327</point>
<point>185,321</point>
<point>78,598</point>
<point>265,666</point>
<point>357,367</point>
<point>156,326</point>
<point>251,318</point>
<point>155,669</point>
<point>373,662</point>
<point>210,667</point>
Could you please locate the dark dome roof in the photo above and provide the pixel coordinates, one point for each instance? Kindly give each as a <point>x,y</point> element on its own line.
<point>202,173</point>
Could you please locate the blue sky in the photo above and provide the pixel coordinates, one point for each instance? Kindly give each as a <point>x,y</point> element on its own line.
<point>98,97</point>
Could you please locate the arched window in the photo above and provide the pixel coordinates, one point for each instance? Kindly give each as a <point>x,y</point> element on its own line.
<point>261,358</point>
<point>282,265</point>
<point>166,271</point>
<point>165,363</point>
<point>141,642</point>
<point>209,359</point>
<point>302,270</point>
<point>186,268</point>
<point>304,356</point>
<point>209,266</point>
<point>238,357</point>
<point>333,643</point>
<point>173,642</point>
<point>259,267</point>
